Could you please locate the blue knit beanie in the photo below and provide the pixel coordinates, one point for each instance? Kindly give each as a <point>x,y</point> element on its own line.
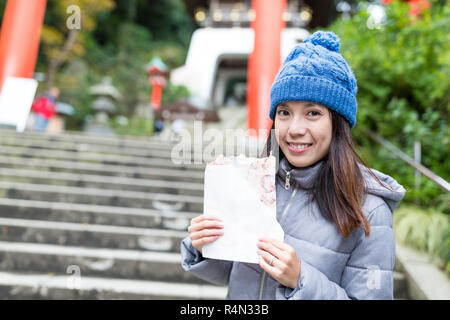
<point>315,71</point>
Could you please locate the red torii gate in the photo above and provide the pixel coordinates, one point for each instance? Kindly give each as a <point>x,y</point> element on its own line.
<point>19,38</point>
<point>264,61</point>
<point>22,23</point>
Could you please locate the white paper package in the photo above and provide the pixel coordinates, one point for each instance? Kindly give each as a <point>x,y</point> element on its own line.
<point>241,191</point>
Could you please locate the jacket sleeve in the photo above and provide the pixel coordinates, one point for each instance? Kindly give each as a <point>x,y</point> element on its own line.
<point>368,273</point>
<point>211,270</point>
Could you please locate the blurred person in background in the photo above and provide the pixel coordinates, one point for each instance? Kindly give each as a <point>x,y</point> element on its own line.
<point>45,108</point>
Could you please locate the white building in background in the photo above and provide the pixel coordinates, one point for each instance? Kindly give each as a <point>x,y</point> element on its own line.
<point>218,57</point>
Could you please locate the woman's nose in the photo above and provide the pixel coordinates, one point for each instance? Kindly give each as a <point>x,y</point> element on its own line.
<point>297,127</point>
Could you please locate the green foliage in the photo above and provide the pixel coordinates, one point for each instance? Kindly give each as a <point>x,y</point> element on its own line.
<point>117,39</point>
<point>133,46</point>
<point>404,91</point>
<point>59,43</point>
<point>167,20</point>
<point>134,126</point>
<point>425,230</point>
<point>127,36</point>
<point>173,54</point>
<point>172,93</point>
<point>74,82</point>
<point>124,60</point>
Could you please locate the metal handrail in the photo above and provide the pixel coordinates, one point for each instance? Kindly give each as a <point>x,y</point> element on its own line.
<point>422,169</point>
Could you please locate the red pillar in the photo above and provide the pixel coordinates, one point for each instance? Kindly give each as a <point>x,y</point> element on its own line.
<point>19,38</point>
<point>264,62</point>
<point>156,96</point>
<point>157,81</point>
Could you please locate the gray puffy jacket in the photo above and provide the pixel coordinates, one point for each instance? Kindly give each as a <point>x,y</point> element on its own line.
<point>332,266</point>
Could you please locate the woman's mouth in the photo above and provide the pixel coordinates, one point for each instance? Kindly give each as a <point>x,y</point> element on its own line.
<point>299,148</point>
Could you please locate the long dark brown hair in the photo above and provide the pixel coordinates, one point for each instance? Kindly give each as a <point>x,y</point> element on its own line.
<point>340,189</point>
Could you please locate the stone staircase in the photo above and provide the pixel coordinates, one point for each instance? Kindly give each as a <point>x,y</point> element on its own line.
<point>92,217</point>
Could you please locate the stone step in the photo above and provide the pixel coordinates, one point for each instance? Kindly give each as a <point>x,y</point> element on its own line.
<point>153,142</point>
<point>400,286</point>
<point>14,285</point>
<point>99,181</point>
<point>230,143</point>
<point>90,235</point>
<point>168,163</point>
<point>59,258</point>
<point>172,174</point>
<point>93,262</point>
<point>425,279</point>
<point>113,263</point>
<point>80,137</point>
<point>135,199</point>
<point>157,150</point>
<point>164,218</point>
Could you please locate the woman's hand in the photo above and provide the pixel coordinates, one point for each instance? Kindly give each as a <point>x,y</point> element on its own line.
<point>204,229</point>
<point>280,261</point>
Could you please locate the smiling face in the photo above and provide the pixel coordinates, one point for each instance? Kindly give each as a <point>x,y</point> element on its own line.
<point>304,131</point>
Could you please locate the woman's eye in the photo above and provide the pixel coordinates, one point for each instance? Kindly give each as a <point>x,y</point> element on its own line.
<point>282,111</point>
<point>314,113</point>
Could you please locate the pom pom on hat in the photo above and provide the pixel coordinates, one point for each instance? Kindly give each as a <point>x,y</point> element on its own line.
<point>326,39</point>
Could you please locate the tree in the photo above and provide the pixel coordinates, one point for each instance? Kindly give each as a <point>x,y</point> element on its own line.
<point>61,44</point>
<point>402,70</point>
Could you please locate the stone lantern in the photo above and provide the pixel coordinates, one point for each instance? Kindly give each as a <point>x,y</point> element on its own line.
<point>106,95</point>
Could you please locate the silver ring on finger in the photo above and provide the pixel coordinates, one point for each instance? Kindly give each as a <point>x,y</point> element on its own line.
<point>271,261</point>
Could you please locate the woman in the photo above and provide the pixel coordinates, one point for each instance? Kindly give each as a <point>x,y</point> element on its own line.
<point>335,212</point>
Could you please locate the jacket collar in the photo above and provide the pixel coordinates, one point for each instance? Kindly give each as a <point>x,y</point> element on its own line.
<point>304,177</point>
